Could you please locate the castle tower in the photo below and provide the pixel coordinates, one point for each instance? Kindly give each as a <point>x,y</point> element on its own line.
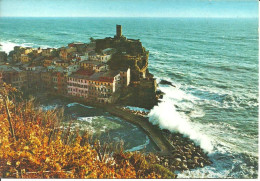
<point>118,31</point>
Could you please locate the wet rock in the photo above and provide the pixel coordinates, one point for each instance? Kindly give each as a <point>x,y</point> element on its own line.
<point>192,166</point>
<point>176,155</point>
<point>201,164</point>
<point>165,82</point>
<point>172,167</point>
<point>181,152</point>
<point>177,161</point>
<point>178,168</point>
<point>186,153</point>
<point>184,167</point>
<point>186,149</point>
<point>190,161</point>
<point>188,156</point>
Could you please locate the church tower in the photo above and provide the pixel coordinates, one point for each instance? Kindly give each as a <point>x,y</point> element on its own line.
<point>118,31</point>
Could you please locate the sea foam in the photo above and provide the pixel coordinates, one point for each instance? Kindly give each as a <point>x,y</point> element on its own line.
<point>7,46</point>
<point>75,103</point>
<point>166,116</point>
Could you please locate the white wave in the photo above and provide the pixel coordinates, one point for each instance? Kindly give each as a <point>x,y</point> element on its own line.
<point>81,127</point>
<point>137,109</point>
<point>75,103</point>
<point>7,46</point>
<point>166,116</point>
<point>197,113</point>
<point>161,54</point>
<point>225,165</point>
<point>87,119</point>
<point>103,129</point>
<point>140,147</point>
<point>177,94</point>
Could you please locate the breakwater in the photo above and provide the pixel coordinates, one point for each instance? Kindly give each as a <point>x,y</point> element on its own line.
<point>154,133</point>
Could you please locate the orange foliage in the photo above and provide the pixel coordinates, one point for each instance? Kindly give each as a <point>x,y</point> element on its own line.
<point>40,149</point>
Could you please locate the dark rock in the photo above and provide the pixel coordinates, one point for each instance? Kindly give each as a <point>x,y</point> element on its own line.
<point>192,166</point>
<point>189,156</point>
<point>177,161</point>
<point>178,168</point>
<point>190,161</point>
<point>165,82</point>
<point>185,148</point>
<point>177,156</point>
<point>184,167</point>
<point>196,158</point>
<point>172,167</point>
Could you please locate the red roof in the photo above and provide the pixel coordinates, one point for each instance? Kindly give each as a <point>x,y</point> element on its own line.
<point>84,72</point>
<point>106,79</point>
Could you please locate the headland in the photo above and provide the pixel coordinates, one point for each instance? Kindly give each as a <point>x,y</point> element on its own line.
<point>110,73</point>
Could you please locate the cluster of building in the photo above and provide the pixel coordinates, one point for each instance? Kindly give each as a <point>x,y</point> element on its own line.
<point>76,70</point>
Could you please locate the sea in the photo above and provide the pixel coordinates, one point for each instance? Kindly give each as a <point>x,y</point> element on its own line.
<point>212,64</point>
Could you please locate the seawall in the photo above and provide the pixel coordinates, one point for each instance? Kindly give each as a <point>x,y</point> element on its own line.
<point>154,133</point>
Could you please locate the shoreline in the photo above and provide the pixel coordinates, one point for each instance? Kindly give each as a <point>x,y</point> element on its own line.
<point>175,152</point>
<point>152,131</point>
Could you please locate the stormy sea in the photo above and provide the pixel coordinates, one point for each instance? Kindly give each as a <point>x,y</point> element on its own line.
<point>211,64</point>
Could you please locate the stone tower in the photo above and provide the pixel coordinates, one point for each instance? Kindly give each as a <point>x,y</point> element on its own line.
<point>118,31</point>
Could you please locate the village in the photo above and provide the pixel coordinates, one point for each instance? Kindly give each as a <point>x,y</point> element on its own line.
<point>76,70</point>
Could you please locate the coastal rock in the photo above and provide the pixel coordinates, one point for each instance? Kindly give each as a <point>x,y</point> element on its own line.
<point>184,167</point>
<point>201,164</point>
<point>185,155</point>
<point>172,167</point>
<point>190,161</point>
<point>177,156</point>
<point>192,166</point>
<point>165,82</point>
<point>188,156</point>
<point>177,160</point>
<point>185,148</point>
<point>178,167</point>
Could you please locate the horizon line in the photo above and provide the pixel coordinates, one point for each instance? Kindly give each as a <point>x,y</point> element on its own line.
<point>129,17</point>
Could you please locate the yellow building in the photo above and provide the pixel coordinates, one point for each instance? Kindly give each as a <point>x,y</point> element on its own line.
<point>25,58</point>
<point>28,50</point>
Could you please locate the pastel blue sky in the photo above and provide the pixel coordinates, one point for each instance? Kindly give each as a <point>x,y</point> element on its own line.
<point>129,8</point>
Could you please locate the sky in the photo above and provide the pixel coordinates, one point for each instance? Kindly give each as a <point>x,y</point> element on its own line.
<point>129,8</point>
